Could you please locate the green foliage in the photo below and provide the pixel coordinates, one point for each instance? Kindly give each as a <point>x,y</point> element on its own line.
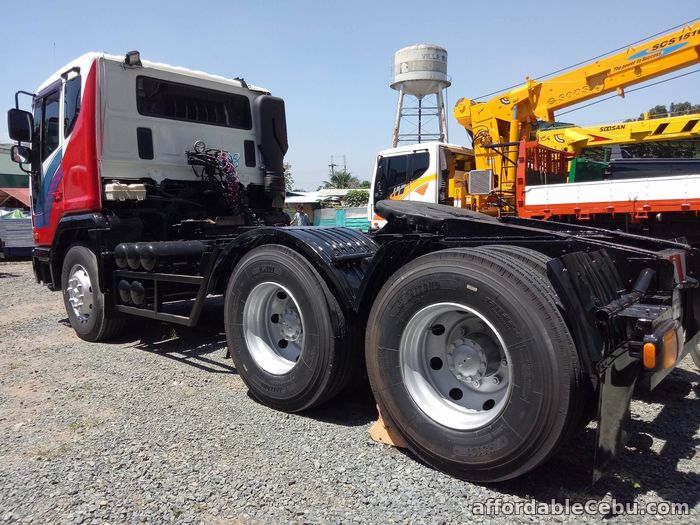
<point>356,198</point>
<point>365,184</point>
<point>673,149</point>
<point>676,108</point>
<point>288,179</point>
<point>341,180</point>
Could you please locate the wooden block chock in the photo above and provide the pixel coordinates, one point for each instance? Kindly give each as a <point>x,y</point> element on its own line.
<point>381,432</point>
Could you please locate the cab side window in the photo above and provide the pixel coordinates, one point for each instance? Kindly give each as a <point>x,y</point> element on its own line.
<point>396,170</point>
<point>71,104</point>
<point>36,149</point>
<point>50,133</point>
<point>420,165</point>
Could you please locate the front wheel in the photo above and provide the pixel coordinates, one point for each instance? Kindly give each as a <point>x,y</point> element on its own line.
<point>471,362</point>
<point>83,299</point>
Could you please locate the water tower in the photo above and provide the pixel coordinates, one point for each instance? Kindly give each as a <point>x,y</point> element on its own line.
<point>420,71</point>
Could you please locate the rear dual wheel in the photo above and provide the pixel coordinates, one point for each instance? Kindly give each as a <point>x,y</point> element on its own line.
<point>471,362</point>
<point>285,330</point>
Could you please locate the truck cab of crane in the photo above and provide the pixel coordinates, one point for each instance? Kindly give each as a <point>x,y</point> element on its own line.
<point>433,172</point>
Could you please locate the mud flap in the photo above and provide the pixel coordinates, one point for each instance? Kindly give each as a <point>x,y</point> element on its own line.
<point>618,378</point>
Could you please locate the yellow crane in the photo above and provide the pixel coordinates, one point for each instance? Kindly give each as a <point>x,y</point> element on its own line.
<point>575,139</point>
<point>497,125</point>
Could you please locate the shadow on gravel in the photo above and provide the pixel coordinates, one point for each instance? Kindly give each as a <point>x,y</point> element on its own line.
<point>190,346</point>
<point>3,275</point>
<point>639,469</point>
<point>353,407</point>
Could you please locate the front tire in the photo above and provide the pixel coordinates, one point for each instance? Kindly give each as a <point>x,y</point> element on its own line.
<point>286,332</point>
<point>83,299</point>
<point>472,364</point>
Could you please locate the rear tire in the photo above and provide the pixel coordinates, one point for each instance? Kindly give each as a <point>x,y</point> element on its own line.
<point>84,300</point>
<point>286,332</point>
<point>533,265</point>
<point>427,398</point>
<point>529,257</point>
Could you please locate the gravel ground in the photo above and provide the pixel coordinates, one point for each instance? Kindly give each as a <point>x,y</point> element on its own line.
<point>157,427</point>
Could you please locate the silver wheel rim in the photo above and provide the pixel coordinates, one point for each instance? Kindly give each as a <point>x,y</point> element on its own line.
<point>455,366</point>
<point>273,328</point>
<point>80,296</point>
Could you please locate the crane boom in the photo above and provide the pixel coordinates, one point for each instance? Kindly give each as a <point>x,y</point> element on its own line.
<point>575,139</point>
<point>508,117</point>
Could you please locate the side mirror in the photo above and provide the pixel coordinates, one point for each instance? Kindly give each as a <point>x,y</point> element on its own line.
<point>20,154</point>
<point>20,124</point>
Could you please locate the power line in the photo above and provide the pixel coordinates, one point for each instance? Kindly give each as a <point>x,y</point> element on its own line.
<point>629,91</point>
<point>594,58</point>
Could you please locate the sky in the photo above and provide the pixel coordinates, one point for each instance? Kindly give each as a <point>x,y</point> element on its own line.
<point>331,60</point>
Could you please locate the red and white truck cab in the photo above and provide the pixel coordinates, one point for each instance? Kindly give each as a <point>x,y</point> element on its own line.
<point>103,126</point>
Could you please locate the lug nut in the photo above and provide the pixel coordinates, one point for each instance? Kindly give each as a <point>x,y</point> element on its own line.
<point>496,380</point>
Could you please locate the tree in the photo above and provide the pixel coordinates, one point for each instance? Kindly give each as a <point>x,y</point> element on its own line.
<point>677,149</point>
<point>288,179</point>
<point>356,198</point>
<point>341,180</point>
<point>365,184</point>
<point>658,111</point>
<point>676,108</point>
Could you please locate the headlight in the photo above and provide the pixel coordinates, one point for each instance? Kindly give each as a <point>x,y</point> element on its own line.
<point>200,146</point>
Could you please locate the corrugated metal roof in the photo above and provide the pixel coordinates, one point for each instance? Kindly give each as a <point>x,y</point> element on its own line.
<point>21,194</point>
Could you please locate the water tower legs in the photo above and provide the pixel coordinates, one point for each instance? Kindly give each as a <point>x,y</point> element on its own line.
<point>442,117</point>
<point>425,115</point>
<point>397,121</point>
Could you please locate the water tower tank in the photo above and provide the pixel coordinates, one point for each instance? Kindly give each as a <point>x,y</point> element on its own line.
<point>420,70</point>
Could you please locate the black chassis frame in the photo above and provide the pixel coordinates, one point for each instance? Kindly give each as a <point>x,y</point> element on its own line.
<point>593,271</point>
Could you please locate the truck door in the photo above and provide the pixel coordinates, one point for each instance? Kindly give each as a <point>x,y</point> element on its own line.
<point>46,162</point>
<point>403,177</point>
<point>420,184</point>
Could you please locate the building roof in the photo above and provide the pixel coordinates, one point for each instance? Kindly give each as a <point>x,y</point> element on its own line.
<point>320,195</point>
<point>336,192</point>
<point>305,198</point>
<point>19,194</point>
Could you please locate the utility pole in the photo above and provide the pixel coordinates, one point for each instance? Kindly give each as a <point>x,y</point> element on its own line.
<point>332,166</point>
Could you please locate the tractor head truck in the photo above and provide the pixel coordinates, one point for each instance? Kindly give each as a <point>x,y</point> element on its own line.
<point>488,342</point>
